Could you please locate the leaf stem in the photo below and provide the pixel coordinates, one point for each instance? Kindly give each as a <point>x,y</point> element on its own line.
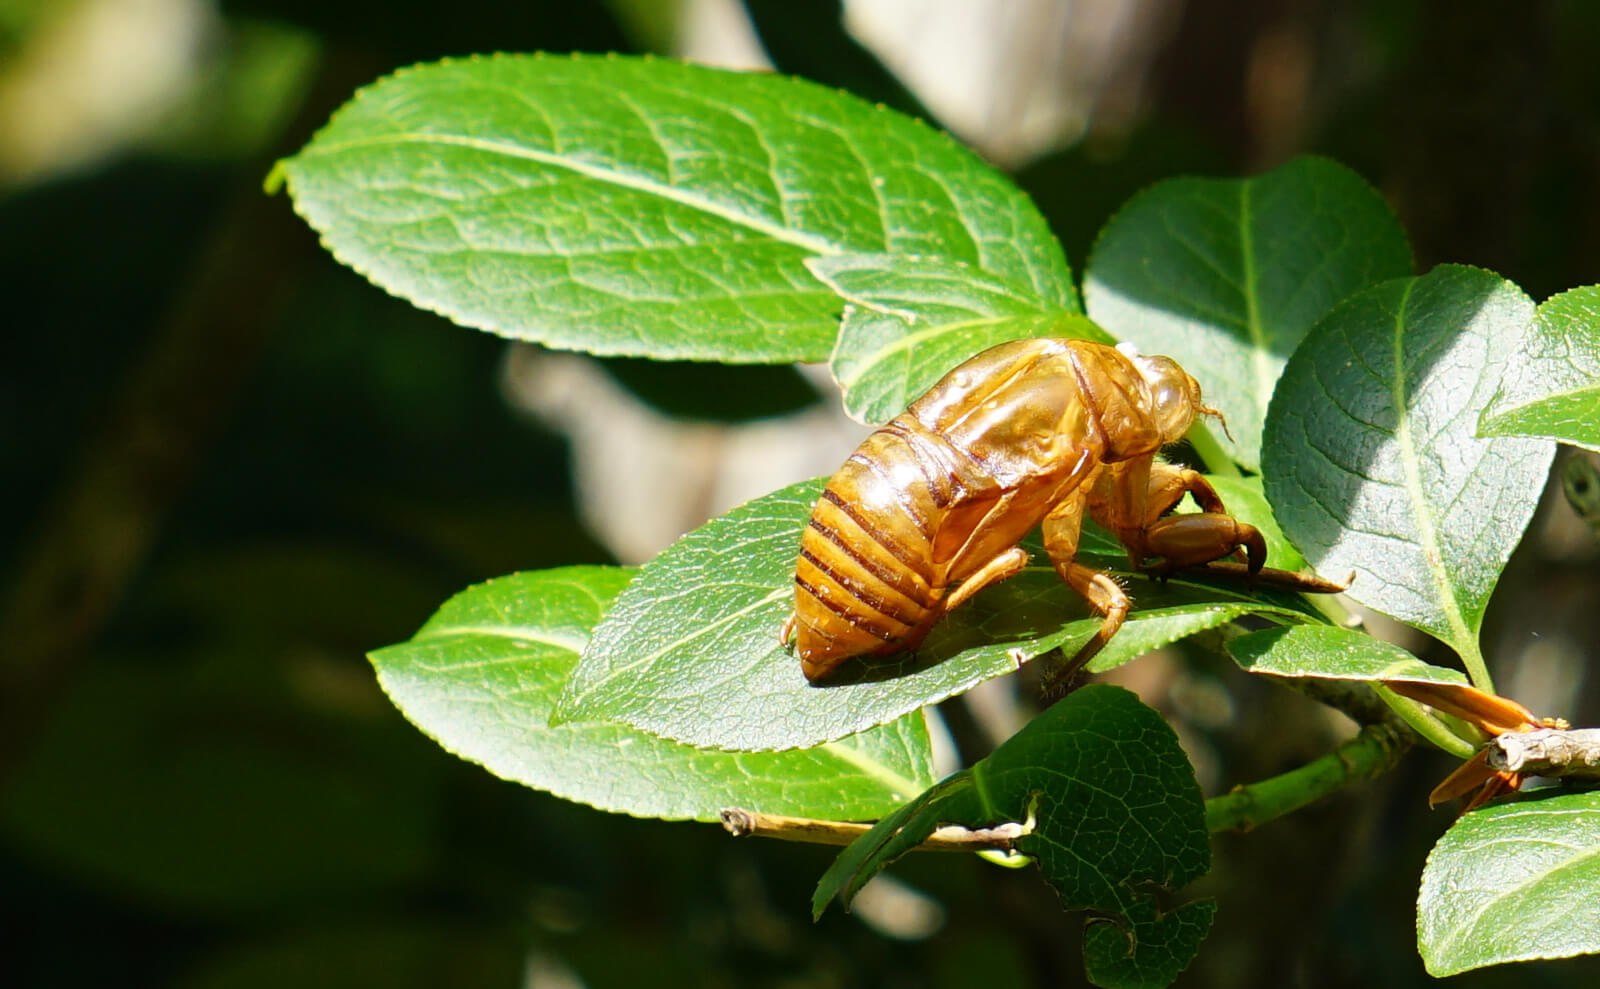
<point>1373,751</point>
<point>1477,668</point>
<point>1426,724</point>
<point>1216,459</point>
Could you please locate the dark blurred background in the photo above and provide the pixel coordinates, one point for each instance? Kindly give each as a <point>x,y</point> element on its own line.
<point>234,467</point>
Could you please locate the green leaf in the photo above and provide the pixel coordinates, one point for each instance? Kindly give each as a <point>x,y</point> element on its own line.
<point>691,651</point>
<point>1513,882</point>
<point>482,676</point>
<point>1371,461</point>
<point>914,318</point>
<point>1552,388</point>
<point>1226,276</point>
<point>645,207</point>
<point>896,834</point>
<point>1116,814</point>
<point>1332,653</point>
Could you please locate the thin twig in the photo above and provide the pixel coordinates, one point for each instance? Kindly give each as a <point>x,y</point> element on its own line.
<point>950,838</point>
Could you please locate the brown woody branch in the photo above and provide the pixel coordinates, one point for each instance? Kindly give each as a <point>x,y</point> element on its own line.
<point>1570,752</point>
<point>951,838</point>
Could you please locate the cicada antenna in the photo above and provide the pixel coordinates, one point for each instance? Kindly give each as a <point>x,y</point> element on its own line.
<point>1207,410</point>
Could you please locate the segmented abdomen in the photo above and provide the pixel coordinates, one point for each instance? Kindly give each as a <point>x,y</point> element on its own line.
<point>866,578</point>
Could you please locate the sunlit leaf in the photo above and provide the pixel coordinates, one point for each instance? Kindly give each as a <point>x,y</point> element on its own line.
<point>1513,882</point>
<point>1552,386</point>
<point>482,676</point>
<point>643,206</point>
<point>691,650</point>
<point>914,318</point>
<point>1333,653</point>
<point>1371,462</point>
<point>1227,275</point>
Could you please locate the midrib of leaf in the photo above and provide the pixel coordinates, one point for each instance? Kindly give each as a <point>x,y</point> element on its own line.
<point>651,657</point>
<point>882,355</point>
<point>571,643</point>
<point>1464,641</point>
<point>1503,893</point>
<point>873,769</point>
<point>1258,337</point>
<point>815,245</point>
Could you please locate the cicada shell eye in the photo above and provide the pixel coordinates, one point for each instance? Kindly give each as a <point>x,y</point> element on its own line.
<point>1174,395</point>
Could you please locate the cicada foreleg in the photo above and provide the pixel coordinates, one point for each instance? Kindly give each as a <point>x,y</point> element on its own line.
<point>1195,540</point>
<point>1203,541</point>
<point>1169,483</point>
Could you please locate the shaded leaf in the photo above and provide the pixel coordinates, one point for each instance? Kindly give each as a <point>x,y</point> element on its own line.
<point>1226,276</point>
<point>1512,882</point>
<point>1116,814</point>
<point>908,826</point>
<point>1552,386</point>
<point>691,651</point>
<point>482,676</point>
<point>645,207</point>
<point>1333,653</point>
<point>914,318</point>
<point>1371,462</point>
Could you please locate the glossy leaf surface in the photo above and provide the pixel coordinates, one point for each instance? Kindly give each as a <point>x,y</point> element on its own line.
<point>1333,653</point>
<point>482,676</point>
<point>1512,882</point>
<point>645,207</point>
<point>914,318</point>
<point>1372,463</point>
<point>1552,389</point>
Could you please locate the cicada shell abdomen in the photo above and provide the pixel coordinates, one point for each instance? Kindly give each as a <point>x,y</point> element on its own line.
<point>865,582</point>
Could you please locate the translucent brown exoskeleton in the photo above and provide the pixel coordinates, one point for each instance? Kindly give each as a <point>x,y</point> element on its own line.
<point>929,509</point>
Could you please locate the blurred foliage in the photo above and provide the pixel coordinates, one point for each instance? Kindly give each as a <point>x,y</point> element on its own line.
<point>204,787</point>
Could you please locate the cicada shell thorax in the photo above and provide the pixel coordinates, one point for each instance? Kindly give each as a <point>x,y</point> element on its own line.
<point>960,476</point>
<point>1128,415</point>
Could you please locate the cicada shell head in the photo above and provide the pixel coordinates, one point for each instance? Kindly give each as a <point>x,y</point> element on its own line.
<point>1174,395</point>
